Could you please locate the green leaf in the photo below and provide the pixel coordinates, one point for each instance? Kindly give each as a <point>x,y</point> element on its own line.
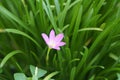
<point>15,31</point>
<point>118,75</point>
<point>50,75</point>
<point>40,72</point>
<point>57,6</point>
<point>72,75</point>
<point>20,76</point>
<point>6,58</point>
<point>50,14</point>
<point>92,78</point>
<point>83,60</point>
<point>75,31</point>
<point>89,29</point>
<point>8,14</point>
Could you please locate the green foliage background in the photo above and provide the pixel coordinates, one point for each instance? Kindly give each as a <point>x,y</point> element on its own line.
<point>92,36</point>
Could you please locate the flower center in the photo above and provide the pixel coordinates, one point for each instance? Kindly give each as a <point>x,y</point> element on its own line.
<point>51,44</point>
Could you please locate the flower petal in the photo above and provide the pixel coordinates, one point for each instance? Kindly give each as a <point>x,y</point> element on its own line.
<point>52,35</point>
<point>45,37</point>
<point>61,44</point>
<point>59,37</point>
<point>57,48</point>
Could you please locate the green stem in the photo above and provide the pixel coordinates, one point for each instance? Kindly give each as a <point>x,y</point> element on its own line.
<point>47,56</point>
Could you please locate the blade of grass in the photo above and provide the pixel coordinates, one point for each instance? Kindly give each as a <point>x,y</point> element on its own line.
<point>15,31</point>
<point>6,58</point>
<point>72,75</point>
<point>50,75</point>
<point>75,32</point>
<point>50,14</point>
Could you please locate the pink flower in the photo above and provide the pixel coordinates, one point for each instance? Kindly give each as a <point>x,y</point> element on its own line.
<point>53,41</point>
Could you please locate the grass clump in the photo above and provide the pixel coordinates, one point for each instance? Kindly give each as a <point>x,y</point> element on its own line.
<point>91,32</point>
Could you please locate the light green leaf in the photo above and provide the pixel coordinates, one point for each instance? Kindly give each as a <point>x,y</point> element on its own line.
<point>90,29</point>
<point>118,75</point>
<point>50,75</point>
<point>40,72</point>
<point>20,76</point>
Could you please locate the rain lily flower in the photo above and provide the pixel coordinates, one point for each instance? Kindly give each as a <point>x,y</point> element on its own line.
<point>54,42</point>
